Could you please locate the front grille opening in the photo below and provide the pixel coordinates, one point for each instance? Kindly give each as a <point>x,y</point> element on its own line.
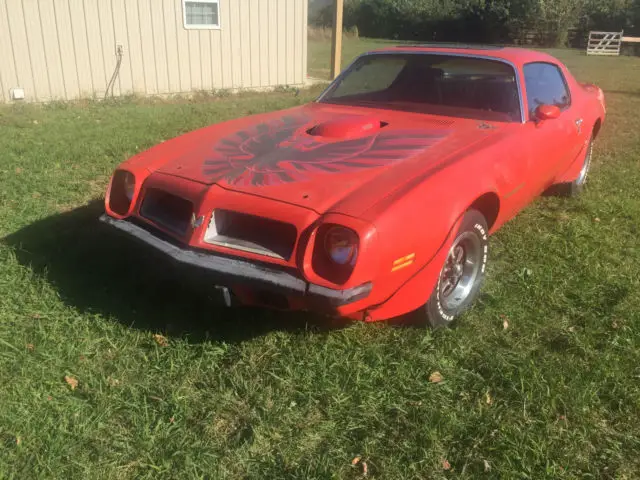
<point>167,210</point>
<point>250,233</point>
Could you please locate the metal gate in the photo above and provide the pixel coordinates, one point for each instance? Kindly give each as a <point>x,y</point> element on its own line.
<point>604,43</point>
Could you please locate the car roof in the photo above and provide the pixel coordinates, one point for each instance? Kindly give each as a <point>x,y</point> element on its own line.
<point>514,55</point>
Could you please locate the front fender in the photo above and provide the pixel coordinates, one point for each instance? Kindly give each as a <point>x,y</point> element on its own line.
<point>415,233</point>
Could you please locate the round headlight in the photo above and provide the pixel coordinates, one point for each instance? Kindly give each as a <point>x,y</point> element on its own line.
<point>129,184</point>
<point>341,245</point>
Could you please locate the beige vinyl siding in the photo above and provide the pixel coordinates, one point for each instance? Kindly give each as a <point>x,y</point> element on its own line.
<point>273,42</point>
<point>225,47</point>
<point>66,49</point>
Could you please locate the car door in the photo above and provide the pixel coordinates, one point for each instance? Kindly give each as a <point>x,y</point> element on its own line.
<point>551,143</point>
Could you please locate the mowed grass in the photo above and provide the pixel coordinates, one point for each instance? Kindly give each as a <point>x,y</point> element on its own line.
<point>257,394</point>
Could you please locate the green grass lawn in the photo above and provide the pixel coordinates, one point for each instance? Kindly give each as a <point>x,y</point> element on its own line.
<point>257,394</point>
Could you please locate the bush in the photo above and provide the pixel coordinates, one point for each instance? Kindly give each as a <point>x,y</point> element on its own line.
<point>489,21</point>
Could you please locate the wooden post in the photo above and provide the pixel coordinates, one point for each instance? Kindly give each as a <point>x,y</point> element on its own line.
<point>336,38</point>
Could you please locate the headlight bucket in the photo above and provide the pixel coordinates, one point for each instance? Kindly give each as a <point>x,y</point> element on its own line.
<point>335,253</point>
<point>122,192</point>
<point>341,245</point>
<point>129,186</point>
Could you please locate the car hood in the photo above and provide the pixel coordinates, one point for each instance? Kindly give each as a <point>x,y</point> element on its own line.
<point>318,155</point>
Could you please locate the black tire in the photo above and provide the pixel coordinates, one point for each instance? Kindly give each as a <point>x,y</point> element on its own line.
<point>451,297</point>
<point>575,188</point>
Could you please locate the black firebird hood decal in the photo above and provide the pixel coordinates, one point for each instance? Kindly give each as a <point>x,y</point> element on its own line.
<point>277,152</point>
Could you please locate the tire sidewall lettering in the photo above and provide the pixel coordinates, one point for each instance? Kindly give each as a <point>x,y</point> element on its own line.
<point>443,314</point>
<point>482,233</point>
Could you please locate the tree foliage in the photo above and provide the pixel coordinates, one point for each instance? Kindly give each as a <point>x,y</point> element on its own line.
<point>483,20</point>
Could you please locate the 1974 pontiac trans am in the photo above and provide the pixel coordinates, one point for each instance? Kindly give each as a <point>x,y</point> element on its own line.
<point>378,198</point>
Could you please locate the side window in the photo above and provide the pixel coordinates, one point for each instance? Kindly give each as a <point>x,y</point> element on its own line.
<point>545,86</point>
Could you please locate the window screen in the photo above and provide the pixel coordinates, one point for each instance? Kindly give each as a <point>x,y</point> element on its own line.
<point>203,14</point>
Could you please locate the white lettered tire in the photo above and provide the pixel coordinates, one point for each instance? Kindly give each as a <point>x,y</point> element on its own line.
<point>462,274</point>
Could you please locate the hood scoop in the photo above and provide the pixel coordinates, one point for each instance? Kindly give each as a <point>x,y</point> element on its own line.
<point>346,128</point>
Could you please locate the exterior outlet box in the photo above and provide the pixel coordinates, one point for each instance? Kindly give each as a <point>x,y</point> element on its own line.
<point>17,93</point>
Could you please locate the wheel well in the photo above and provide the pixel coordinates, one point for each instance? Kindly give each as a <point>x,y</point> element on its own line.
<point>596,128</point>
<point>489,205</point>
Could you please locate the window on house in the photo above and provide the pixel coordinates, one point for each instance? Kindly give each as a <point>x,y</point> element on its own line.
<point>201,14</point>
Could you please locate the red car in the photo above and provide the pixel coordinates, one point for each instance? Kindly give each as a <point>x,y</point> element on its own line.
<point>379,197</point>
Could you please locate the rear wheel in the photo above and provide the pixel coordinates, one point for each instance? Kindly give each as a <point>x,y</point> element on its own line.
<point>573,189</point>
<point>462,275</point>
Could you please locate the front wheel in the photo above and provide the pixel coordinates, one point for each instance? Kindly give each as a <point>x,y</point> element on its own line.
<point>462,275</point>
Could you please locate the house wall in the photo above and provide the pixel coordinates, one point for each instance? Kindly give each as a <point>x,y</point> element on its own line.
<point>66,49</point>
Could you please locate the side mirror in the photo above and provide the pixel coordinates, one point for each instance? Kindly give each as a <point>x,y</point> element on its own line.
<point>547,112</point>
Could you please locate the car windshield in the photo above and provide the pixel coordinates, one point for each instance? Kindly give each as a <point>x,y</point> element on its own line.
<point>457,86</point>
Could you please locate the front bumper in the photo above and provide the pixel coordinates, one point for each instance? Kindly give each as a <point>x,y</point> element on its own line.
<point>229,271</point>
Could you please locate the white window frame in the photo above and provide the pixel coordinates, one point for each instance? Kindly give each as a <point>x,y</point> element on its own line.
<point>199,27</point>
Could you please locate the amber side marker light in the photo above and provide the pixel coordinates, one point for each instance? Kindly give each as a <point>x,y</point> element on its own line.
<point>403,262</point>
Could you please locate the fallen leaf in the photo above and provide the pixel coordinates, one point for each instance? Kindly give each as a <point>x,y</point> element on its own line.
<point>445,464</point>
<point>172,419</point>
<point>18,170</point>
<point>505,323</point>
<point>113,382</point>
<point>615,325</point>
<point>72,382</point>
<point>487,466</point>
<point>49,397</point>
<point>36,315</point>
<point>35,122</point>
<point>18,441</point>
<point>161,340</point>
<point>365,469</point>
<point>355,460</point>
<point>572,329</point>
<point>30,347</point>
<point>435,377</point>
<point>526,273</point>
<point>36,195</point>
<point>596,219</point>
<point>488,399</point>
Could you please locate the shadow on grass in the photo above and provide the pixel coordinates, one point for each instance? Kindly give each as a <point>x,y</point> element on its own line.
<point>96,270</point>
<point>635,93</point>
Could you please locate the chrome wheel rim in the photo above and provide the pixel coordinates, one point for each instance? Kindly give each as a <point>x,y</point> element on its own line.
<point>582,177</point>
<point>460,270</point>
